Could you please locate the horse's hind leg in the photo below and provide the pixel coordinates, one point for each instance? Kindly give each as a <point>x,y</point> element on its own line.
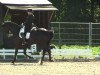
<point>49,52</point>
<point>42,58</point>
<point>16,51</point>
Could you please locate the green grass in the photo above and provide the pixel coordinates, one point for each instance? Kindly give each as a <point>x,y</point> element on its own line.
<point>74,47</point>
<point>95,51</point>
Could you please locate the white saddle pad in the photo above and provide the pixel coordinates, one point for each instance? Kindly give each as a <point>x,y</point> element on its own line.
<point>27,35</point>
<point>22,30</point>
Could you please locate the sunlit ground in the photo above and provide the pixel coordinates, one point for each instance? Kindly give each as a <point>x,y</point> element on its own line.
<point>50,68</point>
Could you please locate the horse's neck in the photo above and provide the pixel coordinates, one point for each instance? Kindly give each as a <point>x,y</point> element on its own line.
<point>14,29</point>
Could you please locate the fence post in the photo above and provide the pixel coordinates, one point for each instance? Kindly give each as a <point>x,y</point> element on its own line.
<point>90,34</point>
<point>59,35</point>
<point>4,54</point>
<point>33,48</point>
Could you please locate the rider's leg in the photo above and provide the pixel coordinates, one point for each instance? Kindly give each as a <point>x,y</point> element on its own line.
<point>23,38</point>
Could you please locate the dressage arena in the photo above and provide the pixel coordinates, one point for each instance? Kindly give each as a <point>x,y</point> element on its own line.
<point>50,68</point>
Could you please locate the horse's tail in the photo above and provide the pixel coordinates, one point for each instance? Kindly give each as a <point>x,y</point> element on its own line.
<point>51,34</point>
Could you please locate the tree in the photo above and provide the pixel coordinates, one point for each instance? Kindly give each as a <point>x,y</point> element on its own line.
<point>61,6</point>
<point>77,10</point>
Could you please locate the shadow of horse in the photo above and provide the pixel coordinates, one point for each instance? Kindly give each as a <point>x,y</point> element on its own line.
<point>40,36</point>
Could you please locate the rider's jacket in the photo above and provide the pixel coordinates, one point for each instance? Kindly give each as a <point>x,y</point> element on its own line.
<point>28,23</point>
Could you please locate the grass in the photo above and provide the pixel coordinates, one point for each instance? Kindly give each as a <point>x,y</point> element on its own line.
<point>95,51</point>
<point>74,47</point>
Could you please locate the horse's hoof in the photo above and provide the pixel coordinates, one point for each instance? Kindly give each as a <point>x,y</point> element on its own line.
<point>51,60</point>
<point>41,63</point>
<point>13,62</point>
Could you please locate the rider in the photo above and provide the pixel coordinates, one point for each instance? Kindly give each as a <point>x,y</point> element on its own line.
<point>28,24</point>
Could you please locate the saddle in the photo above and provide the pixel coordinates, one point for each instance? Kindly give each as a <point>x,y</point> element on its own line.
<point>22,31</point>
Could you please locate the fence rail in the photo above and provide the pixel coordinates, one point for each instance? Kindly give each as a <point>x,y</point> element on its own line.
<point>55,52</point>
<point>11,52</point>
<point>76,33</point>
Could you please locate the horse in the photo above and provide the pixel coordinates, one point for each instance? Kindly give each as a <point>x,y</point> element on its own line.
<point>39,36</point>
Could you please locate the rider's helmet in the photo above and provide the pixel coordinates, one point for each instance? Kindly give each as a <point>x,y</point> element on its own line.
<point>29,10</point>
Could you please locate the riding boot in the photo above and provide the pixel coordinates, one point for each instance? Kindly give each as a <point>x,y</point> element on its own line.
<point>23,39</point>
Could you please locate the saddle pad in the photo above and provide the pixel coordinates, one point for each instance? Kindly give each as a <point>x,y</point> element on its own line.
<point>27,35</point>
<point>22,30</point>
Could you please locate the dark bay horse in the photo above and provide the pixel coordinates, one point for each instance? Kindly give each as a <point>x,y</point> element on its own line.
<point>39,36</point>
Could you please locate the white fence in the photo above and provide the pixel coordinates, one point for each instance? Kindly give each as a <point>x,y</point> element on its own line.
<point>11,52</point>
<point>55,52</point>
<point>72,52</point>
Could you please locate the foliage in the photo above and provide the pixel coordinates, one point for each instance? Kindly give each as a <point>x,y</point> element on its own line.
<point>76,10</point>
<point>74,47</point>
<point>7,17</point>
<point>95,49</point>
<point>56,46</point>
<point>61,6</point>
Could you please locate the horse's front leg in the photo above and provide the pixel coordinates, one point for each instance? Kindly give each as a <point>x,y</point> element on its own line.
<point>42,58</point>
<point>16,51</point>
<point>26,53</point>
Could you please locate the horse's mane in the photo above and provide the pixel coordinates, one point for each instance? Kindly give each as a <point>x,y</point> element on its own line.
<point>10,23</point>
<point>12,26</point>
